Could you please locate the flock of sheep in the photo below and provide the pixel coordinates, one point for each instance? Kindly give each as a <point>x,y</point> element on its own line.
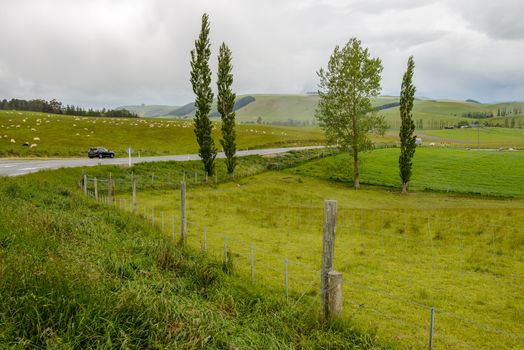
<point>31,121</point>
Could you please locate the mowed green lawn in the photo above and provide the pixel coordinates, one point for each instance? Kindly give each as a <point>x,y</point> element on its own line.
<point>399,254</point>
<point>495,173</point>
<point>67,136</point>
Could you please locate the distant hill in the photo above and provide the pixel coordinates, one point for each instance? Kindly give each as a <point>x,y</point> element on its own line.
<point>184,110</point>
<point>472,100</point>
<point>149,110</point>
<point>300,110</point>
<point>188,110</point>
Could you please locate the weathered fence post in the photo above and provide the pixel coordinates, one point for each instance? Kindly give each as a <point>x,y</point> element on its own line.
<point>328,254</point>
<point>173,227</point>
<point>225,249</point>
<point>334,294</point>
<point>287,279</point>
<point>113,190</point>
<point>109,190</point>
<point>431,325</point>
<point>183,223</point>
<point>252,259</point>
<point>205,238</point>
<point>95,183</point>
<point>133,187</point>
<point>84,184</point>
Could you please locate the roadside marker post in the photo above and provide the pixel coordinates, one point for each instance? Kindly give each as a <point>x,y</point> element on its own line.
<point>129,151</point>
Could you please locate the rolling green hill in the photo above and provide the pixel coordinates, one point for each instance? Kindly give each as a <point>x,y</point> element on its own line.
<point>300,110</point>
<point>150,110</point>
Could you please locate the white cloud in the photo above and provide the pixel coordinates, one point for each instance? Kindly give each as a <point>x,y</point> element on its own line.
<point>112,52</point>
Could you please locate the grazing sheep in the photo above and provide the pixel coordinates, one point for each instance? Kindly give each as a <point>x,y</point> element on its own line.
<point>432,143</point>
<point>33,145</point>
<point>13,141</point>
<point>36,138</point>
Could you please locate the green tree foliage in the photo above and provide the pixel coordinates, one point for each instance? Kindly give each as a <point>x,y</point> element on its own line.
<point>201,82</point>
<point>56,107</point>
<point>344,110</point>
<point>407,127</point>
<point>225,106</point>
<point>478,115</point>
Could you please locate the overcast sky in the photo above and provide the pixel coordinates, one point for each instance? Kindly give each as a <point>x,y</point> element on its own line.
<point>106,53</point>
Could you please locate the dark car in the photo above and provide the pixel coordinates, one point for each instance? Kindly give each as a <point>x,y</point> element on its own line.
<point>100,152</point>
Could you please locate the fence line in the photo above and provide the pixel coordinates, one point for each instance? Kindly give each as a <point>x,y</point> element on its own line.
<point>198,233</point>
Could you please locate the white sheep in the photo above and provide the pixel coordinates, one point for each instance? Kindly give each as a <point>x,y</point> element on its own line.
<point>36,138</point>
<point>13,141</point>
<point>33,145</point>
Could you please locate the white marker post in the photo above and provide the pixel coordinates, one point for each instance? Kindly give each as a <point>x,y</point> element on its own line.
<point>129,151</point>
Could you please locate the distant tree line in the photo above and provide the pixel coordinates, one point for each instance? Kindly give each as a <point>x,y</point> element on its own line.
<point>56,107</point>
<point>477,115</point>
<point>386,106</point>
<point>502,112</point>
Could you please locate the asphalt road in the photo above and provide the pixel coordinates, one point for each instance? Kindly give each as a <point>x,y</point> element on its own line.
<point>9,167</point>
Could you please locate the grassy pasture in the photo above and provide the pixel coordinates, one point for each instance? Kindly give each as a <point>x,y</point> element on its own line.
<point>436,169</point>
<point>460,254</point>
<point>488,137</point>
<point>66,136</point>
<point>76,274</point>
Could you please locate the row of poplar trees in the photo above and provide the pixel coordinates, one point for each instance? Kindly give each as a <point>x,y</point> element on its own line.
<point>346,88</point>
<point>201,83</point>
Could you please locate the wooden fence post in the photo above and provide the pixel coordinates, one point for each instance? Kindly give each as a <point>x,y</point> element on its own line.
<point>328,254</point>
<point>113,191</point>
<point>133,186</point>
<point>334,294</point>
<point>95,183</point>
<point>183,223</point>
<point>84,184</point>
<point>109,191</point>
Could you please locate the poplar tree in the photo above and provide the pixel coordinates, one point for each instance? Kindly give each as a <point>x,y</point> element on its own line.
<point>407,127</point>
<point>225,104</point>
<point>201,82</point>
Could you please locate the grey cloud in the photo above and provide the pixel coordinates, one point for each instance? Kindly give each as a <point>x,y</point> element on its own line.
<point>501,19</point>
<point>112,52</point>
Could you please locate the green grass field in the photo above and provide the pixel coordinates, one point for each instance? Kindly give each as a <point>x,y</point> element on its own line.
<point>436,169</point>
<point>486,137</point>
<point>399,254</point>
<point>66,136</point>
<point>76,274</point>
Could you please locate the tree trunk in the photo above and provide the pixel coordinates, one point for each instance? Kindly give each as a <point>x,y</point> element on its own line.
<point>405,188</point>
<point>356,169</point>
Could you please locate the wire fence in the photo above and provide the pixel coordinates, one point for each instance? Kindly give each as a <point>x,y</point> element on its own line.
<point>419,281</point>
